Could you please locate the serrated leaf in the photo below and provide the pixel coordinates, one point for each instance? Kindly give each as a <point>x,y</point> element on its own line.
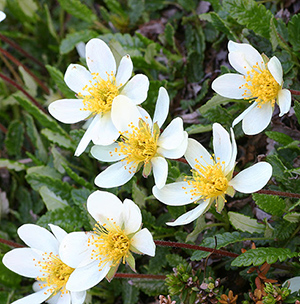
<point>261,255</point>
<point>199,227</point>
<point>12,165</point>
<point>69,43</point>
<point>271,204</point>
<point>59,139</point>
<point>213,102</point>
<point>130,293</point>
<point>139,195</point>
<point>14,138</point>
<point>169,34</point>
<point>245,223</point>
<point>281,138</point>
<point>294,32</point>
<point>196,129</point>
<point>174,259</point>
<point>137,8</point>
<point>293,217</point>
<point>79,10</point>
<point>30,83</point>
<point>78,179</point>
<point>51,200</point>
<point>151,287</point>
<point>297,110</point>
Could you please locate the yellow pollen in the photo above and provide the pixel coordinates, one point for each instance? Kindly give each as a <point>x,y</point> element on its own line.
<point>111,245</point>
<point>139,145</point>
<point>262,85</point>
<point>101,94</point>
<point>208,181</point>
<point>55,273</point>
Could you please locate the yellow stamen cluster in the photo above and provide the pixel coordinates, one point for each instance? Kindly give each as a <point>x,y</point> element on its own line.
<point>139,144</point>
<point>111,245</point>
<point>55,273</point>
<point>262,85</point>
<point>101,94</point>
<point>208,181</point>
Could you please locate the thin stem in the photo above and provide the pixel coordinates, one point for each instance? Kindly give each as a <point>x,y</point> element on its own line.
<point>196,247</point>
<point>140,276</point>
<point>10,243</point>
<point>23,91</point>
<point>182,160</point>
<point>294,92</point>
<point>279,193</point>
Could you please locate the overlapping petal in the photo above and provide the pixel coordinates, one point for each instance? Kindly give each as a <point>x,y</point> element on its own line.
<point>284,101</point>
<point>162,107</point>
<point>175,153</point>
<point>124,70</point>
<point>131,217</point>
<point>275,68</point>
<point>222,144</point>
<point>143,242</point>
<point>160,171</point>
<point>107,153</point>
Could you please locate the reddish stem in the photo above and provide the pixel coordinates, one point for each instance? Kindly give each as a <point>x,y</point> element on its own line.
<point>279,193</point>
<point>10,243</point>
<point>294,92</point>
<point>3,129</point>
<point>23,91</point>
<point>140,276</point>
<point>18,63</point>
<point>182,160</point>
<point>196,247</point>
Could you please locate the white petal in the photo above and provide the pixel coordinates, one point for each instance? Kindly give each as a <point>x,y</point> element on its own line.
<point>132,217</point>
<point>68,110</point>
<point>86,277</point>
<point>253,178</point>
<point>243,114</point>
<point>196,154</point>
<point>284,101</point>
<point>105,208</point>
<point>107,153</point>
<point>36,298</point>
<point>175,194</point>
<point>65,298</point>
<point>124,70</point>
<point>275,68</point>
<point>74,250</point>
<point>80,48</point>
<point>78,297</point>
<point>23,261</point>
<point>230,166</point>
<point>162,107</point>
<point>191,215</point>
<point>177,152</point>
<point>145,116</point>
<point>106,132</point>
<point>115,175</point>
<point>39,238</point>
<point>243,57</point>
<point>143,241</point>
<point>136,88</point>
<point>58,232</point>
<point>99,58</point>
<point>54,299</point>
<point>160,171</point>
<point>222,144</point>
<point>230,86</point>
<point>78,77</point>
<point>257,119</point>
<point>2,16</point>
<point>172,135</point>
<point>88,135</point>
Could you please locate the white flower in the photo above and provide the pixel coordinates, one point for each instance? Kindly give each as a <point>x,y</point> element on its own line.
<point>2,16</point>
<point>97,89</point>
<point>259,80</point>
<point>141,143</point>
<point>42,262</point>
<point>212,177</point>
<point>117,233</point>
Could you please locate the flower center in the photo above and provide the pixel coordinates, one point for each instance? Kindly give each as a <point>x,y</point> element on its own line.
<point>208,181</point>
<point>139,145</point>
<point>55,273</point>
<point>262,85</point>
<point>111,245</point>
<point>101,94</point>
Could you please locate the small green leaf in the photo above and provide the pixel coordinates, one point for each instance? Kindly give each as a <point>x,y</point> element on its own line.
<point>293,217</point>
<point>78,179</point>
<point>139,194</point>
<point>294,32</point>
<point>281,138</point>
<point>61,140</point>
<point>271,204</point>
<point>14,137</point>
<point>297,110</point>
<point>51,200</point>
<point>137,8</point>
<point>129,293</point>
<point>196,129</point>
<point>11,165</point>
<point>245,223</point>
<point>169,34</point>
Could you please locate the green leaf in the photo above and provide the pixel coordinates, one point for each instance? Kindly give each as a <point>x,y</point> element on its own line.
<point>293,217</point>
<point>137,8</point>
<point>77,9</point>
<point>213,102</point>
<point>61,140</point>
<point>261,255</point>
<point>78,179</point>
<point>297,110</point>
<point>50,24</point>
<point>294,32</point>
<point>271,204</point>
<point>7,277</point>
<point>139,195</point>
<point>51,200</point>
<point>281,138</point>
<point>151,287</point>
<point>130,293</point>
<point>199,227</point>
<point>251,14</point>
<point>14,137</point>
<point>69,43</point>
<point>245,223</point>
<point>169,34</point>
<point>58,160</point>
<point>196,129</point>
<point>11,165</point>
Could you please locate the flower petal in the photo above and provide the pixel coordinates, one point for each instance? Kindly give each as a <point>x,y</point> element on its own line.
<point>68,110</point>
<point>230,86</point>
<point>115,175</point>
<point>65,298</point>
<point>284,101</point>
<point>231,164</point>
<point>257,119</point>
<point>105,208</point>
<point>78,77</point>
<point>124,70</point>
<point>177,152</point>
<point>175,194</point>
<point>109,153</point>
<point>160,171</point>
<point>39,238</point>
<point>58,232</point>
<point>275,68</point>
<point>145,116</point>
<point>172,135</point>
<point>191,215</point>
<point>131,216</point>
<point>243,56</point>
<point>253,178</point>
<point>196,154</point>
<point>22,261</point>
<point>243,114</point>
<point>83,278</point>
<point>136,88</point>
<point>99,58</point>
<point>162,107</point>
<point>37,297</point>
<point>143,242</point>
<point>222,144</point>
<point>2,16</point>
<point>78,297</point>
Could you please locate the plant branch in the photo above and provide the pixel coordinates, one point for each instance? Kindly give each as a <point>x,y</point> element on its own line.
<point>10,243</point>
<point>279,193</point>
<point>294,92</point>
<point>140,276</point>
